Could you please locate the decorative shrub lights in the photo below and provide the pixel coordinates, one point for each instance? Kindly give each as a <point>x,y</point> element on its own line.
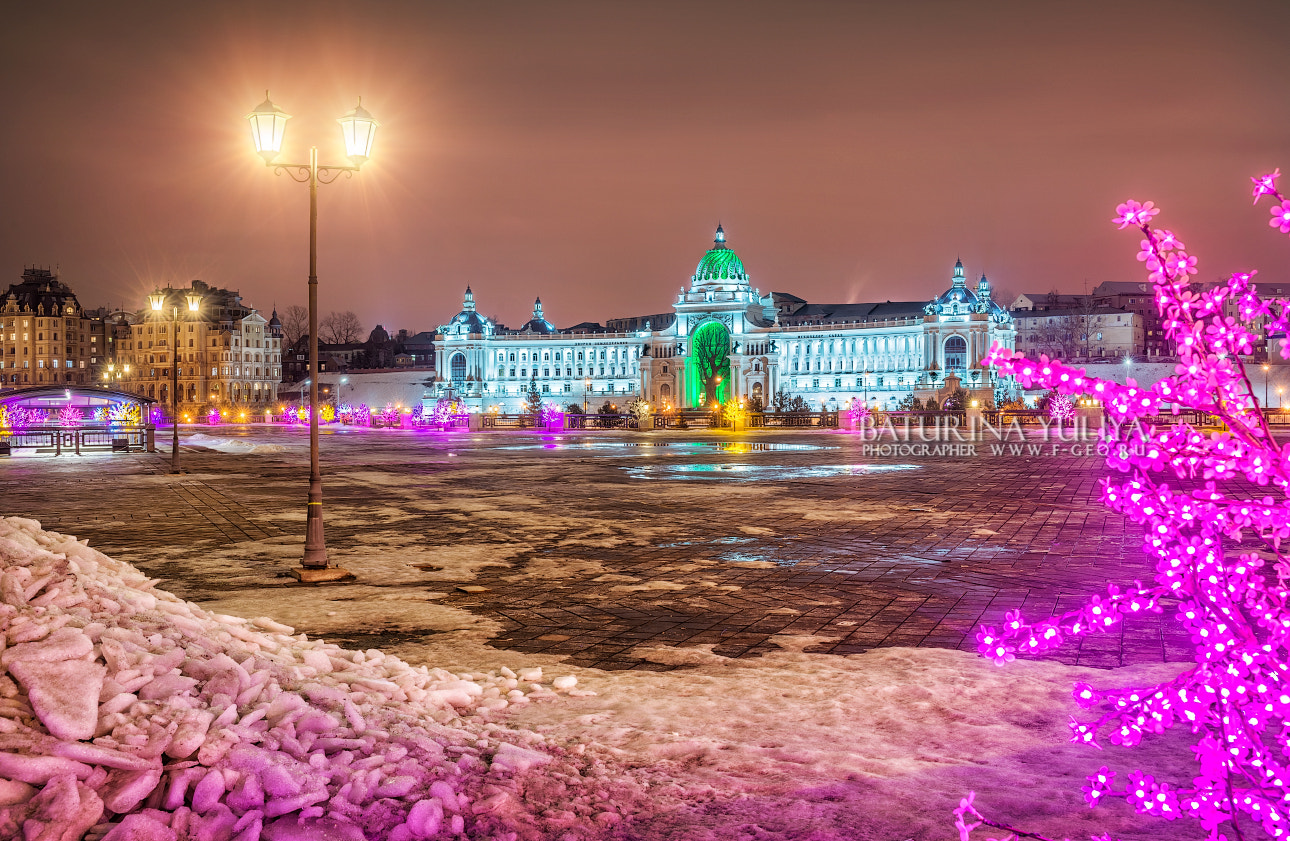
<point>858,413</point>
<point>447,411</point>
<point>1061,408</point>
<point>552,417</point>
<point>1215,512</point>
<point>326,413</point>
<point>212,417</point>
<point>125,414</point>
<point>363,415</point>
<point>70,416</point>
<point>389,416</point>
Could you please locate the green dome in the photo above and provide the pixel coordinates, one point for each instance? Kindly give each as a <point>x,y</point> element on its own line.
<point>720,263</point>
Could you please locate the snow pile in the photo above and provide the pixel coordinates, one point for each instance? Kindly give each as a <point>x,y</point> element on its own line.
<point>126,711</point>
<point>232,445</point>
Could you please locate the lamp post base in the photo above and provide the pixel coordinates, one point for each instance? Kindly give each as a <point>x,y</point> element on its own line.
<point>309,575</point>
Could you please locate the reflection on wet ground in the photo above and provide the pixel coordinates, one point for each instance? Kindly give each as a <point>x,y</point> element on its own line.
<point>759,472</point>
<point>678,446</point>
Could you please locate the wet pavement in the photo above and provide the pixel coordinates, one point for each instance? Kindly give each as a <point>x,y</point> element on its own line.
<point>590,546</point>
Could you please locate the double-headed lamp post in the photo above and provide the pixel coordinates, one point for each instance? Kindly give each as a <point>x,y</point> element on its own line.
<point>158,300</point>
<point>268,124</point>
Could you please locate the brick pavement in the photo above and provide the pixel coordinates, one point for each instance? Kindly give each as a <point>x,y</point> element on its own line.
<point>615,546</point>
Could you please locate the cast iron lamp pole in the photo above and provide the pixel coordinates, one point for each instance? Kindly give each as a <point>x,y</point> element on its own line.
<point>158,300</point>
<point>268,123</point>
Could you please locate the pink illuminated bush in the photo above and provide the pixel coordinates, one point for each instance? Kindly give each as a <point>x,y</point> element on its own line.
<point>70,416</point>
<point>1061,408</point>
<point>859,413</point>
<point>1214,510</point>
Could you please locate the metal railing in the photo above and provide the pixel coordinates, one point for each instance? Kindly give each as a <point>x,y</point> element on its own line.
<point>80,439</point>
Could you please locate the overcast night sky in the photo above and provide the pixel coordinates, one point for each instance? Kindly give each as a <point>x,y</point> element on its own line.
<point>585,152</point>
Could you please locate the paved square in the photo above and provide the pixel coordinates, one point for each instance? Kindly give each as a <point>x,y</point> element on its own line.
<point>591,545</point>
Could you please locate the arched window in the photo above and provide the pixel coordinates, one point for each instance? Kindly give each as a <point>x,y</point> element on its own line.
<point>665,391</point>
<point>457,366</point>
<point>757,390</point>
<point>955,354</point>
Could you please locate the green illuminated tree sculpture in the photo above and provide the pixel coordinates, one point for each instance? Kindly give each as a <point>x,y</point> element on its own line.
<point>710,351</point>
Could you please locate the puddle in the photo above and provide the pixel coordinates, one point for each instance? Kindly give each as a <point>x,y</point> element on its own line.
<point>763,552</point>
<point>720,541</point>
<point>759,472</point>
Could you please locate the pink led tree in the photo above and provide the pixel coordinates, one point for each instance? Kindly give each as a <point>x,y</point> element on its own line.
<point>858,413</point>
<point>1061,408</point>
<point>70,416</point>
<point>1214,510</point>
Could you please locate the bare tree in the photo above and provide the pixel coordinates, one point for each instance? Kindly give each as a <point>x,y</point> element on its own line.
<point>295,324</point>
<point>710,349</point>
<point>340,328</point>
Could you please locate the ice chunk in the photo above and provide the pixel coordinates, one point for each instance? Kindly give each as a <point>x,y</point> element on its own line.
<point>208,791</point>
<point>13,792</point>
<point>64,695</point>
<point>63,644</point>
<point>124,790</point>
<point>514,758</point>
<point>311,829</point>
<point>141,827</point>
<point>64,809</point>
<point>565,682</point>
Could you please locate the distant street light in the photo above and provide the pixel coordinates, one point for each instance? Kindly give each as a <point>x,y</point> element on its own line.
<point>158,301</point>
<point>268,125</point>
<point>1265,385</point>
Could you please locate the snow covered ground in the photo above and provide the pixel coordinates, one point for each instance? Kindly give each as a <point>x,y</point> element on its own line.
<point>235,445</point>
<point>123,700</point>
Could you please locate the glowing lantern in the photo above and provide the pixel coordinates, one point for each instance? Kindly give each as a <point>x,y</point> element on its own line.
<point>359,129</point>
<point>268,124</point>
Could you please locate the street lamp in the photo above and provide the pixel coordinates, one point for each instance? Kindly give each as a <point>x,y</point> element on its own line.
<point>268,125</point>
<point>586,387</point>
<point>158,301</point>
<point>1265,385</point>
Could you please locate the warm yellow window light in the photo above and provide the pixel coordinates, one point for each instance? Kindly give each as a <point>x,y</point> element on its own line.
<point>268,124</point>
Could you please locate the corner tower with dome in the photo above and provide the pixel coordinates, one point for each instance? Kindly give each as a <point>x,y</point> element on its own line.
<point>729,340</point>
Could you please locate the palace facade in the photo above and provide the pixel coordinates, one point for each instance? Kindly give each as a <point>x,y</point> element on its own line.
<point>727,340</point>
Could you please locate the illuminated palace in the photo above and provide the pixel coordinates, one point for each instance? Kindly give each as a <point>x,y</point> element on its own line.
<point>725,339</point>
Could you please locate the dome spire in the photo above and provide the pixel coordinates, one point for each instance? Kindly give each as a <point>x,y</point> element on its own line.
<point>720,238</point>
<point>537,309</point>
<point>468,302</point>
<point>959,279</point>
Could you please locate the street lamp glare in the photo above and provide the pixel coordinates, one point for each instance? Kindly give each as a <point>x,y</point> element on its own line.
<point>194,301</point>
<point>359,130</point>
<point>157,300</point>
<point>268,125</point>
